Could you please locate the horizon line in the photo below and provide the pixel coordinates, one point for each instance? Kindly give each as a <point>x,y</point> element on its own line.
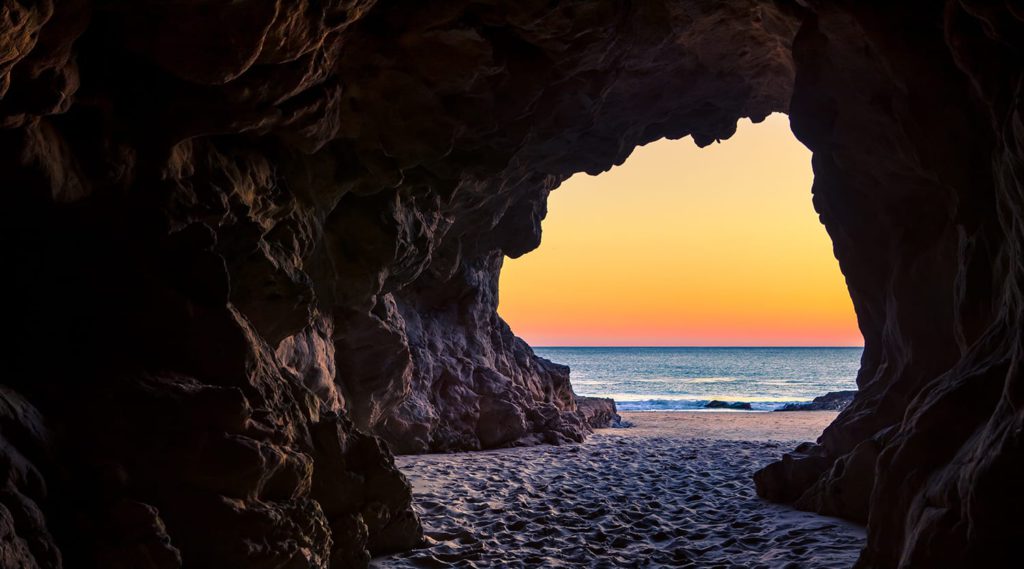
<point>692,346</point>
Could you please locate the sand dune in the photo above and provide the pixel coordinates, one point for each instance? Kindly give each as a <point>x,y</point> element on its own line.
<point>673,491</point>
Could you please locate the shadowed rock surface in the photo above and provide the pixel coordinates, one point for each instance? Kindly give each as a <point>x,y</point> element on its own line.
<point>915,114</point>
<point>239,236</point>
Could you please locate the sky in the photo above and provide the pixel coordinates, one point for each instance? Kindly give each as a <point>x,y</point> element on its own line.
<point>685,246</point>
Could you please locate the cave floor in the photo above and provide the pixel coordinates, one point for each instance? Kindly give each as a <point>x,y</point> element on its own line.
<point>675,490</point>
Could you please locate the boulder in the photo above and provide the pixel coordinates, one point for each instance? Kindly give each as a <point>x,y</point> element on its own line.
<point>736,405</point>
<point>831,401</point>
<point>598,412</point>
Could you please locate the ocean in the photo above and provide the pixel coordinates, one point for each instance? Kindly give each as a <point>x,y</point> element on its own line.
<point>685,379</point>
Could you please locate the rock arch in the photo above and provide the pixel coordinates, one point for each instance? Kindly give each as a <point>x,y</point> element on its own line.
<point>240,233</point>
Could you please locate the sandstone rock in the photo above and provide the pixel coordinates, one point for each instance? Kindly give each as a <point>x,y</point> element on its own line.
<point>598,412</point>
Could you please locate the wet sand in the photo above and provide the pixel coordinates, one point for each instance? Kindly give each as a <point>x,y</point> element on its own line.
<point>675,490</point>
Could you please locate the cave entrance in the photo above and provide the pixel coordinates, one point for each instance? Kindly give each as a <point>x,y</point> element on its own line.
<point>682,277</point>
<point>694,247</point>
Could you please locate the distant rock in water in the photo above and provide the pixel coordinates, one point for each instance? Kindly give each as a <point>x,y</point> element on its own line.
<point>737,405</point>
<point>598,412</point>
<point>832,401</point>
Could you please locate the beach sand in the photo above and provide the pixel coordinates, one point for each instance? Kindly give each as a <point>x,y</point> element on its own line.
<point>674,490</point>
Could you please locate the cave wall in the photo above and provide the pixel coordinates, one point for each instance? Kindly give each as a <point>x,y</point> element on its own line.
<point>254,244</point>
<point>914,115</point>
<point>249,239</point>
<point>422,353</point>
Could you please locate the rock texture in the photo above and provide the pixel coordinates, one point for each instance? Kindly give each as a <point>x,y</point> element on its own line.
<point>248,243</point>
<point>241,235</point>
<point>915,114</point>
<point>599,412</point>
<point>472,383</point>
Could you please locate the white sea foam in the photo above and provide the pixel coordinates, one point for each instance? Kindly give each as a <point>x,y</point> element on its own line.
<point>709,379</point>
<point>672,379</point>
<point>693,405</point>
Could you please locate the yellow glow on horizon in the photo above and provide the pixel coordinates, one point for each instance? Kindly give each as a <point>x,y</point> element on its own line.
<point>683,246</point>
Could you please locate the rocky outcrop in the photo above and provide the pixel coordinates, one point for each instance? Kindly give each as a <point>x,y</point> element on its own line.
<point>831,401</point>
<point>734,405</point>
<point>474,384</point>
<point>250,244</point>
<point>599,412</point>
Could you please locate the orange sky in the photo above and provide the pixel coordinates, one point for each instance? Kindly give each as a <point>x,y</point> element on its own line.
<point>682,246</point>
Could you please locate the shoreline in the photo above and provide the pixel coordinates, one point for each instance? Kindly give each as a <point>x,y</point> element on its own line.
<point>675,489</point>
<point>829,401</point>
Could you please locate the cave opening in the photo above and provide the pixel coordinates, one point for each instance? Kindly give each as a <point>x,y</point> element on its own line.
<point>688,247</point>
<point>683,279</point>
<point>255,249</point>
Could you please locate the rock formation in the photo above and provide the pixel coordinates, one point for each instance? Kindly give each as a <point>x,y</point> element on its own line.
<point>600,412</point>
<point>831,401</point>
<point>251,244</point>
<point>735,405</point>
<point>915,114</point>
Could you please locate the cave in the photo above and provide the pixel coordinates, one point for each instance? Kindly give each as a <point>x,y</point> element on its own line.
<point>255,247</point>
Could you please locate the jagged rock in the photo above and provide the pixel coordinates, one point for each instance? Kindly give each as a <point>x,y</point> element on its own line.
<point>831,401</point>
<point>473,383</point>
<point>204,201</point>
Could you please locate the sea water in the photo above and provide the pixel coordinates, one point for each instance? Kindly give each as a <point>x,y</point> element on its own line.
<point>686,379</point>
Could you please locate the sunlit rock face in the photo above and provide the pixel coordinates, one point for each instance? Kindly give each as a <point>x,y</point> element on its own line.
<point>252,244</point>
